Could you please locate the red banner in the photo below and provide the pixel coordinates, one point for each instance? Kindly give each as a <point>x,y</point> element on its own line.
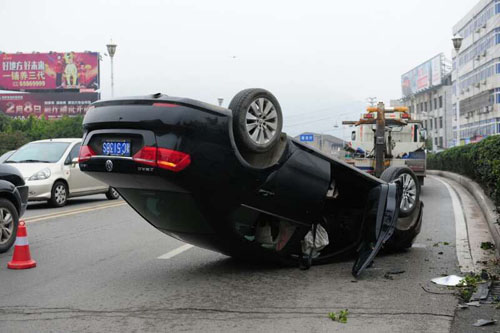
<point>29,71</point>
<point>48,105</point>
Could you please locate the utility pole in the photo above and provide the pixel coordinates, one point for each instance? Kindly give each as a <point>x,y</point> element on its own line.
<point>457,44</point>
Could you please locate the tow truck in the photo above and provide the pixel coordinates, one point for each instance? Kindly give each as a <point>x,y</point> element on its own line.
<point>385,139</point>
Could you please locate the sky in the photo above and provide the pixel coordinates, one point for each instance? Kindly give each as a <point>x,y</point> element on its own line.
<point>321,59</point>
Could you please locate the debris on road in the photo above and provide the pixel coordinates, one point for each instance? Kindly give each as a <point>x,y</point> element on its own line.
<point>450,280</point>
<point>482,291</point>
<point>341,316</point>
<point>487,246</point>
<point>437,244</point>
<point>475,303</point>
<point>388,275</point>
<point>484,322</point>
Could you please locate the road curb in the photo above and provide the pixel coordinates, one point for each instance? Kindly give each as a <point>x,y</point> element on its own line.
<point>484,202</point>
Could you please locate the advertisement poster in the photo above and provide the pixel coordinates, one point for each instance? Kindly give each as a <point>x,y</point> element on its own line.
<point>55,70</point>
<point>47,105</point>
<point>436,64</point>
<point>423,76</point>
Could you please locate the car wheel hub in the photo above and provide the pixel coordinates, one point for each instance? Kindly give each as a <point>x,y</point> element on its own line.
<point>60,194</point>
<point>409,192</point>
<point>6,225</point>
<point>261,121</point>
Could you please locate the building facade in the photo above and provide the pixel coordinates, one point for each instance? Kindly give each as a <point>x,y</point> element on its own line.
<point>476,69</point>
<point>328,144</point>
<point>434,108</point>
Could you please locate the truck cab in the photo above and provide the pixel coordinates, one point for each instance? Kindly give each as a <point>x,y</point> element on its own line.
<point>402,143</point>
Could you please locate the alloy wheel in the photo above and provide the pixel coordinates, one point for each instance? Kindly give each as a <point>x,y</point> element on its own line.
<point>409,192</point>
<point>261,121</point>
<point>60,194</point>
<point>6,225</point>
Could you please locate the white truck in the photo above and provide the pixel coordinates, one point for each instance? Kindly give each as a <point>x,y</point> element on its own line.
<point>386,137</point>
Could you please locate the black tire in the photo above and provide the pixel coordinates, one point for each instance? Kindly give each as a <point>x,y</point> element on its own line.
<point>7,238</point>
<point>411,188</point>
<point>59,194</point>
<point>257,119</point>
<point>403,238</point>
<point>112,194</point>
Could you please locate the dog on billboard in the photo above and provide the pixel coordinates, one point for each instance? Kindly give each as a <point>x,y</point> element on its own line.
<point>70,71</point>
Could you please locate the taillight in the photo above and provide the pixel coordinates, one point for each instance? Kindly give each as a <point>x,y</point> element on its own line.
<point>368,116</point>
<point>165,105</point>
<point>164,158</point>
<point>173,160</point>
<point>147,155</point>
<point>85,154</point>
<point>405,115</point>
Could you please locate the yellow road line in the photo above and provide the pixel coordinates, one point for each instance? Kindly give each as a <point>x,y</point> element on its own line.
<point>71,212</point>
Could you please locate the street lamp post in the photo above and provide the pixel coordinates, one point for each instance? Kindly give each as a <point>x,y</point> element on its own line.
<point>111,51</point>
<point>457,43</point>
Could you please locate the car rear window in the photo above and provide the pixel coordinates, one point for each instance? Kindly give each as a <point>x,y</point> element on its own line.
<point>41,152</point>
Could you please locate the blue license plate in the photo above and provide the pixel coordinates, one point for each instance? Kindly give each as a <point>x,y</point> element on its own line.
<point>116,148</point>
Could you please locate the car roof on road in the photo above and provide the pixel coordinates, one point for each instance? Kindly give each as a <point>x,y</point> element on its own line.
<point>70,140</point>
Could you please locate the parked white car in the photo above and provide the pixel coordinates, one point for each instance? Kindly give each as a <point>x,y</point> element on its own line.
<point>50,169</point>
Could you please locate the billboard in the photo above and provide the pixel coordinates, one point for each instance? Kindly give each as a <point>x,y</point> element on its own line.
<point>436,70</point>
<point>423,76</point>
<point>39,71</point>
<point>48,105</point>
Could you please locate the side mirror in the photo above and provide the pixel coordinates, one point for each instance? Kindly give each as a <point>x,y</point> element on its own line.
<point>74,161</point>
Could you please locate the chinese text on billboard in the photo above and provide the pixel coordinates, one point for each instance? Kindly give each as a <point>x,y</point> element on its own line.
<point>29,71</point>
<point>48,105</point>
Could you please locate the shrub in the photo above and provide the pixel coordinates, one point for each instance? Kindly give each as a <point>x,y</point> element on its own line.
<point>16,132</point>
<point>478,161</point>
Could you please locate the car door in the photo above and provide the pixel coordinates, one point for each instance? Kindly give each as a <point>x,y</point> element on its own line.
<point>78,181</point>
<point>379,223</point>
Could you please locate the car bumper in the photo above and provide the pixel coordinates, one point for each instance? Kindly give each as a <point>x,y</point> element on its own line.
<point>39,190</point>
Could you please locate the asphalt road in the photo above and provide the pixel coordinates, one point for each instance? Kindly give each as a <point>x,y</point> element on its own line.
<point>98,270</point>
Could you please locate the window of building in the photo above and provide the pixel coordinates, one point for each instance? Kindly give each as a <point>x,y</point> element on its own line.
<point>435,123</point>
<point>441,141</point>
<point>425,106</point>
<point>436,140</point>
<point>435,103</point>
<point>430,122</point>
<point>440,122</point>
<point>440,101</point>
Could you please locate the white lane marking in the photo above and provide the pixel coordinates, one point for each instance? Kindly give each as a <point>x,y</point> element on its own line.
<point>463,247</point>
<point>71,212</point>
<point>175,252</point>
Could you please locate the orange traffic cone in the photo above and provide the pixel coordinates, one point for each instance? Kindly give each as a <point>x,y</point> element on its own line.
<point>22,257</point>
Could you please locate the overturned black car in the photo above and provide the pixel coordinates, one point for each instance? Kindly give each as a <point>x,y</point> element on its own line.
<point>229,180</point>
